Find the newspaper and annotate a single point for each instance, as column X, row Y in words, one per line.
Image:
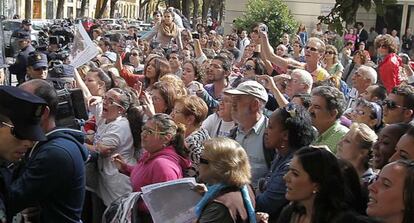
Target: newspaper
column 83, row 48
column 172, row 201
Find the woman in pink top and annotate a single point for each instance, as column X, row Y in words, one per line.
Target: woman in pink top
column 350, row 36
column 165, row 157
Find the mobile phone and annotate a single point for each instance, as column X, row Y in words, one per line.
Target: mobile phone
column 263, row 28
column 195, row 35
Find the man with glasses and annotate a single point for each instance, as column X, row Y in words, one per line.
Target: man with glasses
column 52, row 176
column 37, row 66
column 314, row 51
column 399, row 105
column 20, row 115
column 19, row 67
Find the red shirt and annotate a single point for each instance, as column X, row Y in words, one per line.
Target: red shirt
column 389, row 71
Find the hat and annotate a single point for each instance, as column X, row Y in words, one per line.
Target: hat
column 27, row 22
column 62, row 71
column 23, row 35
column 24, row 110
column 252, row 88
column 37, row 60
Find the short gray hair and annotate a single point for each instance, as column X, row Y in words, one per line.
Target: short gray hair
column 305, row 77
column 368, row 73
column 335, row 99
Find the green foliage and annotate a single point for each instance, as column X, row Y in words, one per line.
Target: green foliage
column 344, row 11
column 274, row 13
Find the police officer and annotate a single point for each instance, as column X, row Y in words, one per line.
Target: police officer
column 37, row 66
column 19, row 67
column 53, row 175
column 26, row 26
column 20, row 114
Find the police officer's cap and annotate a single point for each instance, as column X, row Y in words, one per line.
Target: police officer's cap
column 21, row 35
column 27, row 22
column 37, row 60
column 24, row 111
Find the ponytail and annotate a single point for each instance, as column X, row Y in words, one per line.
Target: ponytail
column 178, row 141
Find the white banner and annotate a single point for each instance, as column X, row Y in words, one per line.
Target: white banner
column 83, row 48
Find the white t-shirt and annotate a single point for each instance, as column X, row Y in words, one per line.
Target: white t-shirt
column 216, row 127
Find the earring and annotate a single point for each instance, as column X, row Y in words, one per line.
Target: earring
column 314, row 192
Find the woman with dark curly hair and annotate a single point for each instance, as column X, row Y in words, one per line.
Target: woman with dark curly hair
column 289, row 129
column 315, row 187
column 389, row 62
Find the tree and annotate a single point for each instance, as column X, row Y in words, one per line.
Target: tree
column 28, row 9
column 112, row 9
column 344, row 11
column 101, row 10
column 59, row 9
column 274, row 13
column 83, row 8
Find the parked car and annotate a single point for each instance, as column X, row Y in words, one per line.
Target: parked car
column 112, row 23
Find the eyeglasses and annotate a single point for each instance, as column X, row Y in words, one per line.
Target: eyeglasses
column 40, row 69
column 149, row 131
column 358, row 112
column 111, row 101
column 204, row 161
column 313, row 49
column 382, row 46
column 330, row 52
column 134, row 54
column 12, row 131
column 391, row 104
column 248, row 67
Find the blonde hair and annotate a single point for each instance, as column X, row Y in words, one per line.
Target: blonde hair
column 333, row 48
column 228, row 161
column 179, row 85
column 366, row 135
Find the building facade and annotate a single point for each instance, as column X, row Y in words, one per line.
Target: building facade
column 46, row 9
column 398, row 17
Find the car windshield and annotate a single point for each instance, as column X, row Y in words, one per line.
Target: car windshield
column 38, row 26
column 10, row 26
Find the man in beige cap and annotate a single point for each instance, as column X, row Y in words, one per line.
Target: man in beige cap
column 248, row 102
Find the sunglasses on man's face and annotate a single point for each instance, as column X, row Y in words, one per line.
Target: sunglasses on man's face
column 12, row 130
column 313, row 49
column 391, row 104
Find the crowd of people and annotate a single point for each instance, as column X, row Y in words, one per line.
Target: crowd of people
column 301, row 132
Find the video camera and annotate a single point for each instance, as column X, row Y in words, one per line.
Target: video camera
column 71, row 107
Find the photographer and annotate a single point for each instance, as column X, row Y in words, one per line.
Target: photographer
column 53, row 174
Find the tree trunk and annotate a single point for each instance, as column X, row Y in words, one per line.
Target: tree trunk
column 28, row 9
column 83, row 8
column 59, row 9
column 112, row 10
column 101, row 10
column 186, row 8
column 215, row 8
column 196, row 5
column 206, row 6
